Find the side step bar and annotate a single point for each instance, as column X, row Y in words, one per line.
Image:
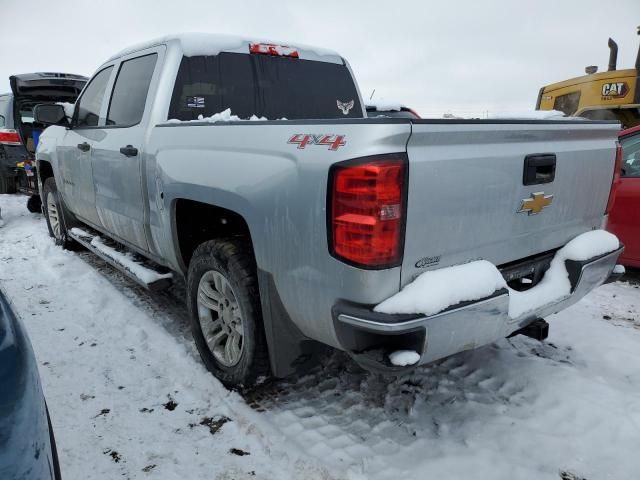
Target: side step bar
column 133, row 266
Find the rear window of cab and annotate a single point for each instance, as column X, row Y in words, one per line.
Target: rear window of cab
column 267, row 86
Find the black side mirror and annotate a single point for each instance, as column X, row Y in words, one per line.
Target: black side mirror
column 49, row 114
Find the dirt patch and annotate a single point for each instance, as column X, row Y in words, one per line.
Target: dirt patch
column 240, row 453
column 170, row 405
column 214, row 424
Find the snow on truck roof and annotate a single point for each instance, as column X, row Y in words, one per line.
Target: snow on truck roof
column 194, row 44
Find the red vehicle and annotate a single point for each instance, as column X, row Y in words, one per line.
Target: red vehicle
column 624, row 215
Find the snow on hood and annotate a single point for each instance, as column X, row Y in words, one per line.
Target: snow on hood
column 436, row 290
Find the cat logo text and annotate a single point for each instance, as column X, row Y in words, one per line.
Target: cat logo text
column 618, row 89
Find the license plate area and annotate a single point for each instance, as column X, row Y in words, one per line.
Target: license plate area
column 524, row 274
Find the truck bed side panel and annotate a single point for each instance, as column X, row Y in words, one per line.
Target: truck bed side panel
column 281, row 192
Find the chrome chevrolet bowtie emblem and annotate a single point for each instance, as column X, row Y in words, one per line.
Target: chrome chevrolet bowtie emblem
column 536, row 203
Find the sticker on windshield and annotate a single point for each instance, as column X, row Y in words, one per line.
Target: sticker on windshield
column 195, row 102
column 344, row 107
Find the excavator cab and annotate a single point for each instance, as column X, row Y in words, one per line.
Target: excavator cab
column 610, row 95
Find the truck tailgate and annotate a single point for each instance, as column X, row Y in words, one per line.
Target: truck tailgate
column 466, row 187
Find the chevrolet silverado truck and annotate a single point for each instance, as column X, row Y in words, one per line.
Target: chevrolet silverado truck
column 250, row 170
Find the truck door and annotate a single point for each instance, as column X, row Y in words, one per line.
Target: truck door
column 118, row 153
column 74, row 151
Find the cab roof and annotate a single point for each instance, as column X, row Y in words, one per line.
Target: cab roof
column 195, row 44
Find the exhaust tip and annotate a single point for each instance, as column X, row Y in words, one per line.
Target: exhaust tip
column 613, row 54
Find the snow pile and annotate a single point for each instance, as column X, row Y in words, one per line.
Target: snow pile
column 402, row 358
column 68, row 109
column 530, row 115
column 224, row 116
column 436, row 290
column 555, row 284
column 126, row 259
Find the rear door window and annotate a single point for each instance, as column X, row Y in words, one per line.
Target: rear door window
column 266, row 86
column 88, row 107
column 130, row 91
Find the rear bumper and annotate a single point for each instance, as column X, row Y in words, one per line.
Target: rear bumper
column 369, row 336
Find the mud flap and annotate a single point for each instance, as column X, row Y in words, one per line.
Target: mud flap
column 290, row 351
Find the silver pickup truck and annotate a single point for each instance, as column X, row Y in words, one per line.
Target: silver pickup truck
column 249, row 169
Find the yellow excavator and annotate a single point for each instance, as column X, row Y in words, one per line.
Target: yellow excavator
column 610, row 95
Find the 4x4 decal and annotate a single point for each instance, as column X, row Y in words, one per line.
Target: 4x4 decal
column 333, row 141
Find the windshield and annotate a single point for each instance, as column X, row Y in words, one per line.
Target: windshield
column 265, row 86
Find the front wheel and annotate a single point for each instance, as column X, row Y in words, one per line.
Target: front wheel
column 56, row 215
column 225, row 313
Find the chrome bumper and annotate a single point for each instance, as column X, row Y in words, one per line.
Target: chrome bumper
column 365, row 334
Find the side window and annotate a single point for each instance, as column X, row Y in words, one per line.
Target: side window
column 88, row 106
column 631, row 157
column 567, row 104
column 2, row 124
column 130, row 91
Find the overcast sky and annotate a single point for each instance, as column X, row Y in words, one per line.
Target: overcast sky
column 447, row 56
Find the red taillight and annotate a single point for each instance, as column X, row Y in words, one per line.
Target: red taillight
column 9, row 137
column 271, row 49
column 616, row 178
column 367, row 208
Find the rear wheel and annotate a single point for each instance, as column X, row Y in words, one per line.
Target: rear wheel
column 58, row 219
column 225, row 313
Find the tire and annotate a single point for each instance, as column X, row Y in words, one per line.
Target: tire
column 57, row 216
column 34, row 204
column 7, row 184
column 227, row 265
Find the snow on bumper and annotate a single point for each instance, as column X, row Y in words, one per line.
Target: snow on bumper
column 475, row 312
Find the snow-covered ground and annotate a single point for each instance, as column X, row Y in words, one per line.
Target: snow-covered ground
column 129, row 397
